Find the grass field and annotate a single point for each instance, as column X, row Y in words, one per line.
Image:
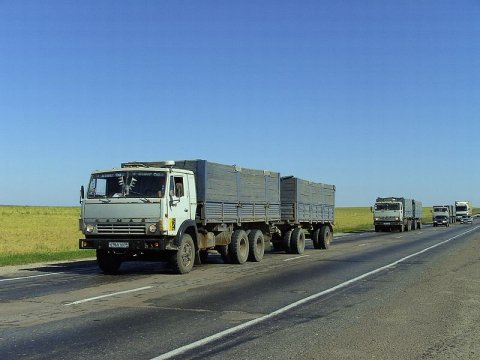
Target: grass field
column 31, row 234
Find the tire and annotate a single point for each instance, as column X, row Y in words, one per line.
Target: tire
column 286, row 241
column 297, row 241
column 419, row 225
column 316, row 238
column 326, row 237
column 414, row 225
column 183, row 259
column 256, row 243
column 109, row 263
column 238, row 247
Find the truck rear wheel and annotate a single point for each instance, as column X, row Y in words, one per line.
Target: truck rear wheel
column 297, row 241
column 183, row 259
column 108, row 262
column 256, row 245
column 326, row 237
column 238, row 248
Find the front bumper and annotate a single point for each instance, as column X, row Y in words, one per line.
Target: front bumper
column 128, row 244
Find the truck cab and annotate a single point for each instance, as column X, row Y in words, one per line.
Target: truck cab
column 136, row 211
column 441, row 216
column 388, row 214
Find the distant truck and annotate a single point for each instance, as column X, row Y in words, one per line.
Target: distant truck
column 441, row 215
column 177, row 211
column 397, row 213
column 462, row 208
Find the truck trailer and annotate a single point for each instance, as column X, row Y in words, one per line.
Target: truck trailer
column 177, row 211
column 397, row 213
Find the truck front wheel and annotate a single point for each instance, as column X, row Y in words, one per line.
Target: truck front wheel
column 183, row 259
column 108, row 262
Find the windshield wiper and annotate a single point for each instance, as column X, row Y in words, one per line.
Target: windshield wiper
column 145, row 200
column 105, row 201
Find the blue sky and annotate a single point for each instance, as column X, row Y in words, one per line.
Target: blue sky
column 379, row 97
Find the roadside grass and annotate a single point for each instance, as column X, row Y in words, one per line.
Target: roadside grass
column 30, row 234
column 350, row 219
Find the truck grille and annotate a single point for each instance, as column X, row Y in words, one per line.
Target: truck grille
column 121, row 228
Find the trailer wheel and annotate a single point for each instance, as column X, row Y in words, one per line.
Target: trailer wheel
column 316, row 238
column 286, row 241
column 256, row 246
column 183, row 259
column 414, row 225
column 238, row 248
column 297, row 241
column 326, row 237
column 107, row 262
column 419, row 224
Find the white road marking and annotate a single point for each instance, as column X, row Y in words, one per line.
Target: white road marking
column 295, row 258
column 250, row 323
column 29, row 277
column 108, row 295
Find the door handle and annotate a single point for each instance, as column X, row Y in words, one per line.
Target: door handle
column 186, row 210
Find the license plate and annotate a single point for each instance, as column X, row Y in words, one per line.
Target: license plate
column 387, row 223
column 118, row 245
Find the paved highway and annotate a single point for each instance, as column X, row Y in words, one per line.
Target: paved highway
column 371, row 295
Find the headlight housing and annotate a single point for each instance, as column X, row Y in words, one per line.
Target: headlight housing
column 152, row 228
column 90, row 228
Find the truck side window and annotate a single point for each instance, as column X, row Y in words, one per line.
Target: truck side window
column 176, row 186
column 179, row 186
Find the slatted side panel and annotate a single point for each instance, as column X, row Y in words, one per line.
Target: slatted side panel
column 305, row 201
column 233, row 194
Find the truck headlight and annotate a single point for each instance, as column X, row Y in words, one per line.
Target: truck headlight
column 152, row 228
column 90, row 228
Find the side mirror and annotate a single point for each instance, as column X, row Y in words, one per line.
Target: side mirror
column 371, row 208
column 82, row 193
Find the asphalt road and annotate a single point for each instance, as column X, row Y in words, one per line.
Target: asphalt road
column 411, row 295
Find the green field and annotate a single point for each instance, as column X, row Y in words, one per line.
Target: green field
column 34, row 234
column 31, row 234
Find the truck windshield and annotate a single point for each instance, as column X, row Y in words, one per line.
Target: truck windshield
column 387, row 206
column 440, row 209
column 461, row 208
column 132, row 184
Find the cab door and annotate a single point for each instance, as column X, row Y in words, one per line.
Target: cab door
column 179, row 202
